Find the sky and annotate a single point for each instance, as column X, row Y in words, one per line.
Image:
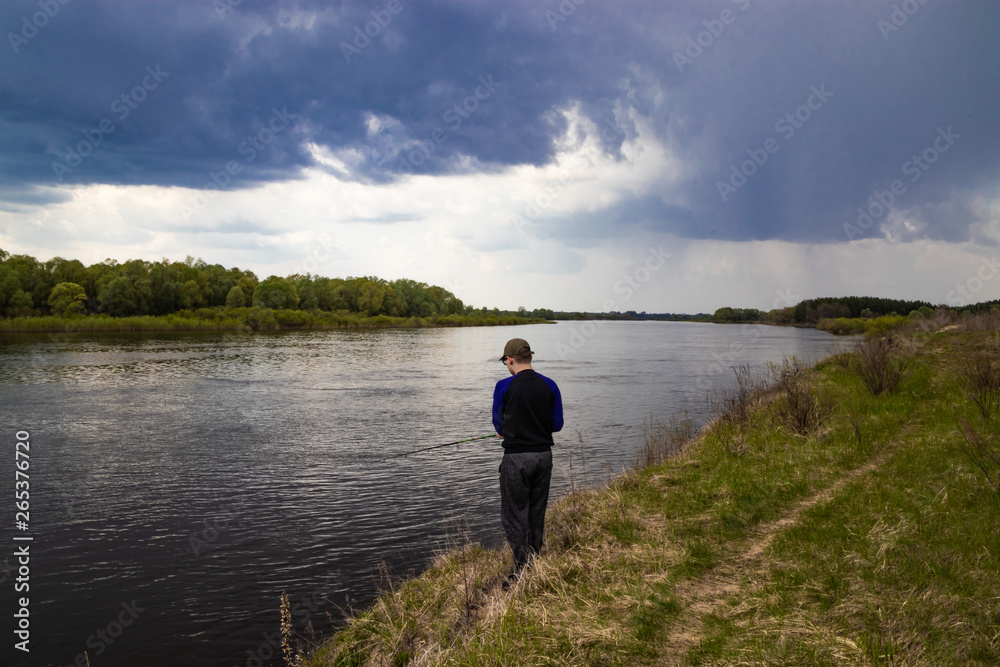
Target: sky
column 574, row 154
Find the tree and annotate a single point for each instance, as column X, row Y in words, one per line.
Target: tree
column 236, row 298
column 35, row 281
column 66, row 271
column 191, row 295
column 67, row 300
column 392, row 304
column 117, row 297
column 10, row 285
column 781, row 315
column 724, row 314
column 832, row 311
column 370, row 298
column 275, row 292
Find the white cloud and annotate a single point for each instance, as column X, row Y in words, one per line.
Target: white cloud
column 457, row 230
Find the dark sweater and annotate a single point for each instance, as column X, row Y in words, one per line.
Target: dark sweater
column 527, row 409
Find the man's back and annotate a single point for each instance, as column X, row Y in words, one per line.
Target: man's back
column 527, row 408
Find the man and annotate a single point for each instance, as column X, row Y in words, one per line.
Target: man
column 527, row 409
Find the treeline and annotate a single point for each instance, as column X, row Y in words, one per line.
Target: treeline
column 549, row 314
column 66, row 288
column 811, row 311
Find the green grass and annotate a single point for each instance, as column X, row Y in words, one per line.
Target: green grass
column 872, row 540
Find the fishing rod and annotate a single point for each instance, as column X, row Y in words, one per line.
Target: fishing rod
column 447, row 444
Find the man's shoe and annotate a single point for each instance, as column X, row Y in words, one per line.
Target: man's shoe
column 508, row 582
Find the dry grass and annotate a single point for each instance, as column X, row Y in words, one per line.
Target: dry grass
column 982, row 322
column 735, row 406
column 661, row 442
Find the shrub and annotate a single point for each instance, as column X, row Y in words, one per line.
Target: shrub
column 980, row 378
column 989, row 321
column 879, row 364
column 799, row 408
column 842, row 326
column 983, row 450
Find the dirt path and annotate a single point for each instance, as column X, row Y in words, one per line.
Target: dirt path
column 705, row 594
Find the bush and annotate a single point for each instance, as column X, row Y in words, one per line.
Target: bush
column 982, row 449
column 842, row 326
column 799, row 408
column 879, row 363
column 980, row 378
column 980, row 322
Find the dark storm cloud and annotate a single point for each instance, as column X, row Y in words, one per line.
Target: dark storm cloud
column 838, row 97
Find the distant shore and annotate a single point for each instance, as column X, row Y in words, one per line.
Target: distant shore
column 249, row 319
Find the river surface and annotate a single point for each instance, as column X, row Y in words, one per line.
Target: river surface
column 180, row 482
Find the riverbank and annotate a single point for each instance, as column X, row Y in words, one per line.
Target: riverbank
column 813, row 522
column 249, row 319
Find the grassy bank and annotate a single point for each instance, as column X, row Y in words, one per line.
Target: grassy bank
column 247, row 319
column 814, row 522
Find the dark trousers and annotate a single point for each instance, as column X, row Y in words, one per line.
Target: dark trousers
column 524, row 494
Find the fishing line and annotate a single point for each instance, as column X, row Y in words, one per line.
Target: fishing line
column 447, row 444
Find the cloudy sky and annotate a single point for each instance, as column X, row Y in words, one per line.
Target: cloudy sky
column 582, row 154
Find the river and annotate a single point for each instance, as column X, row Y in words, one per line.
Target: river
column 180, row 482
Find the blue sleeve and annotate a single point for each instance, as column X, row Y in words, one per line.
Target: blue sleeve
column 557, row 409
column 498, row 406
